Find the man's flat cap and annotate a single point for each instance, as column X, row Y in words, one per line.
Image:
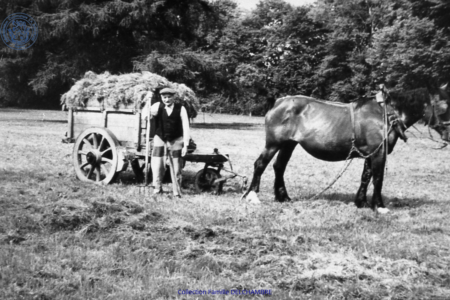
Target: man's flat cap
column 167, row 91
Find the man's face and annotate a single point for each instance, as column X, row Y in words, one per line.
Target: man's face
column 167, row 99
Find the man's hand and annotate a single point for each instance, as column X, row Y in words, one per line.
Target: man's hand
column 184, row 151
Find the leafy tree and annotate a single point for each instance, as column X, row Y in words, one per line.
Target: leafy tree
column 274, row 52
column 345, row 73
column 205, row 66
column 80, row 35
column 412, row 52
column 335, row 49
column 299, row 50
column 402, row 43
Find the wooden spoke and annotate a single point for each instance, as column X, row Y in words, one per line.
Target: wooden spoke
column 101, row 143
column 106, row 160
column 82, row 152
column 94, row 137
column 103, row 152
column 86, row 141
column 105, row 170
column 84, row 165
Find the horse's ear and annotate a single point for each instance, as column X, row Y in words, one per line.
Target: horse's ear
column 381, row 97
column 444, row 86
column 383, row 88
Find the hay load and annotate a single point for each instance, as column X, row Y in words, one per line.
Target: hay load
column 124, row 91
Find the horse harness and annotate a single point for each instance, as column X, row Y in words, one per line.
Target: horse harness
column 395, row 124
column 354, row 148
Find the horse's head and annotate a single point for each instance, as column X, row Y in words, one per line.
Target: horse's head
column 419, row 104
column 437, row 113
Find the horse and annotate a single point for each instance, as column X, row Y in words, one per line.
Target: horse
column 333, row 131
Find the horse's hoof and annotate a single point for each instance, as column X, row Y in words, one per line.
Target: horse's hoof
column 252, row 198
column 362, row 204
column 283, row 199
column 281, row 195
column 383, row 210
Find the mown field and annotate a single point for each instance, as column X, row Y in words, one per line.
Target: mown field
column 64, row 239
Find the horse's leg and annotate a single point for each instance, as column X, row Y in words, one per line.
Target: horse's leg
column 260, row 165
column 280, row 167
column 378, row 163
column 361, row 198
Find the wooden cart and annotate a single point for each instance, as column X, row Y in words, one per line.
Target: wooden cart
column 108, row 140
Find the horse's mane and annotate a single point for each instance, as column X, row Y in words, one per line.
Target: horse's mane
column 411, row 100
column 270, row 101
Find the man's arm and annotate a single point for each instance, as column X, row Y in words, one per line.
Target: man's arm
column 186, row 130
column 154, row 110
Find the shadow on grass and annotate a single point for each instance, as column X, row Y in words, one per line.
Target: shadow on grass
column 390, row 202
column 235, row 126
column 395, row 202
column 128, row 178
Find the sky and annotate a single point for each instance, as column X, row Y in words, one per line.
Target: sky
column 250, row 4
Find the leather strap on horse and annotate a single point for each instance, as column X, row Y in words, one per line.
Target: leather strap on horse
column 348, row 160
column 352, row 116
column 398, row 125
column 355, row 134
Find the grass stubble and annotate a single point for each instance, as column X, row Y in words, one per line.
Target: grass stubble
column 64, row 239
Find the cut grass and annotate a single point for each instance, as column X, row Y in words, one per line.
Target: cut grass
column 64, row 239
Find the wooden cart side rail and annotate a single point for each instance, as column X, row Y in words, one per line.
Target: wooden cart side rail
column 127, row 110
column 128, row 130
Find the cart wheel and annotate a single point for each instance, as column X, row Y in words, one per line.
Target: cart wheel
column 204, row 181
column 95, row 156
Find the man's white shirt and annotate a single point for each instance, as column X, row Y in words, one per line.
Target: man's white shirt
column 155, row 107
column 169, row 109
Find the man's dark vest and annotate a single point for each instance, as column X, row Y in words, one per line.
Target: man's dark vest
column 170, row 127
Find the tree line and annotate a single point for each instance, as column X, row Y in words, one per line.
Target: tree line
column 234, row 60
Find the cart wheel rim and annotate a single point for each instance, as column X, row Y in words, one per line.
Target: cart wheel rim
column 95, row 156
column 204, row 180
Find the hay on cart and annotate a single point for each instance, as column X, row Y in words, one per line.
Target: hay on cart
column 124, row 91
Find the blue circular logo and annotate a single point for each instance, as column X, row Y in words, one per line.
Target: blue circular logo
column 19, row 31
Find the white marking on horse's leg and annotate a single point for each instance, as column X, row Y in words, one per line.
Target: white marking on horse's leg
column 252, row 197
column 383, row 210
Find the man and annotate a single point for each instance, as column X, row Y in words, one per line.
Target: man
column 172, row 131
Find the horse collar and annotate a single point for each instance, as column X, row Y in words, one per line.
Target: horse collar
column 398, row 125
